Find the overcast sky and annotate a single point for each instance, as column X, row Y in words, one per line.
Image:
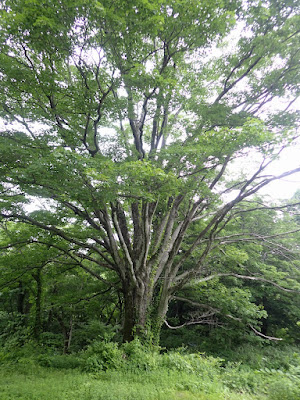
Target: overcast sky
column 285, row 188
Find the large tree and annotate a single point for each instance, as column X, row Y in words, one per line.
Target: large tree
column 124, row 117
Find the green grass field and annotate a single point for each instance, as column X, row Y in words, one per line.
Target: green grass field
column 107, row 371
column 37, row 383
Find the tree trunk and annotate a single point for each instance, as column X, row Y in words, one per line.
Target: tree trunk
column 129, row 317
column 66, row 331
column 21, row 299
column 144, row 312
column 37, row 329
column 160, row 313
column 137, row 310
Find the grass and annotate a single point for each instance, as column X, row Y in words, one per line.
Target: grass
column 107, row 371
column 38, row 383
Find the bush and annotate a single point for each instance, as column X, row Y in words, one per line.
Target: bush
column 176, row 361
column 20, row 354
column 269, row 356
column 92, row 331
column 139, row 357
column 282, row 385
column 60, row 361
column 51, row 341
column 101, row 356
column 195, row 363
column 284, row 389
column 238, row 377
column 13, row 330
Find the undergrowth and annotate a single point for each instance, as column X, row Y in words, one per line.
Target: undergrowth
column 106, row 370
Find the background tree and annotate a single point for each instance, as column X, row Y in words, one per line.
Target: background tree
column 123, row 120
column 47, row 297
column 249, row 294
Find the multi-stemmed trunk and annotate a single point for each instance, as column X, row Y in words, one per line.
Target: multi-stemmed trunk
column 148, row 262
column 145, row 308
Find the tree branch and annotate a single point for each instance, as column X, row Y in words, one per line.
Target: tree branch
column 252, row 278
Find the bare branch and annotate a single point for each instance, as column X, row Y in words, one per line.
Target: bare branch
column 198, row 322
column 264, row 336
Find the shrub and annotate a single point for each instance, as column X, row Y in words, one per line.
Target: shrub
column 284, row 389
column 139, row 357
column 176, row 361
column 94, row 330
column 13, row 330
column 268, row 356
column 238, row 377
column 101, row 356
column 20, row 354
column 60, row 361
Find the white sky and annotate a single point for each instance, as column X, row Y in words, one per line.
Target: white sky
column 285, row 188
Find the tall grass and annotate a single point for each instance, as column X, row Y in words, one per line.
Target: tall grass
column 106, row 371
column 39, row 383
